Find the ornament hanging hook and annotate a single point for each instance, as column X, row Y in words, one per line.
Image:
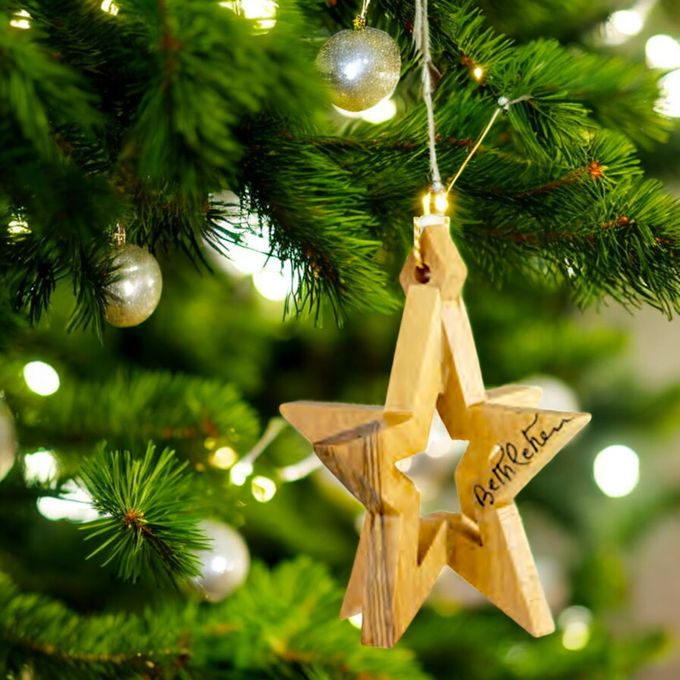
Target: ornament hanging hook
column 360, row 19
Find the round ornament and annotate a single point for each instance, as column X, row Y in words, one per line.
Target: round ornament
column 362, row 67
column 225, row 565
column 134, row 295
column 8, row 439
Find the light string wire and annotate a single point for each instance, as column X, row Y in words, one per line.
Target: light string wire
column 504, row 104
column 421, row 38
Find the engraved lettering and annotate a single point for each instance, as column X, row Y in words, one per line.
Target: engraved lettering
column 506, row 466
column 482, row 495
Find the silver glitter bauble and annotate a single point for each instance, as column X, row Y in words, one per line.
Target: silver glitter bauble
column 361, row 66
column 8, row 439
column 135, row 294
column 225, row 565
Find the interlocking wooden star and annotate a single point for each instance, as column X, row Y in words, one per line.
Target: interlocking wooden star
column 400, row 554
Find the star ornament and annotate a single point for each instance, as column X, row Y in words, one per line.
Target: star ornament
column 401, row 553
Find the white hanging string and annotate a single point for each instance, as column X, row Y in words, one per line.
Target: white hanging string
column 364, row 8
column 421, row 38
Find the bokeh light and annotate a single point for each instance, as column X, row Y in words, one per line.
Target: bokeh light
column 616, row 470
column 41, row 378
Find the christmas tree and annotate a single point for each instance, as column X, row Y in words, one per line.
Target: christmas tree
column 158, row 518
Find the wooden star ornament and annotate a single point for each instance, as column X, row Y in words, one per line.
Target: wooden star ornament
column 401, row 553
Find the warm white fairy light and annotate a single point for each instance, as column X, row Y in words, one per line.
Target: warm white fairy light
column 383, row 111
column 263, row 488
column 18, row 226
column 662, row 51
column 240, row 472
column 404, row 465
column 669, row 104
column 21, row 19
column 273, row 279
column 575, row 623
column 275, row 282
column 74, row 504
column 626, row 23
column 41, row 378
column 478, row 73
column 616, row 470
column 223, row 458
column 356, row 620
column 261, row 12
column 109, row 7
column 251, row 255
column 40, row 467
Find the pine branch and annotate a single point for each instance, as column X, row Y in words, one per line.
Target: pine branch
column 190, row 101
column 248, row 636
column 290, row 617
column 40, row 634
column 186, row 409
column 147, row 523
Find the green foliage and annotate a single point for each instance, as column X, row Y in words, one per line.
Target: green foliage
column 186, row 409
column 148, row 522
column 444, row 644
column 281, row 624
column 290, row 617
column 42, row 636
column 187, row 99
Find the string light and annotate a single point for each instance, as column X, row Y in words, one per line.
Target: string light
column 74, row 504
column 109, row 7
column 223, row 458
column 626, row 23
column 18, row 226
column 275, row 281
column 244, row 468
column 40, row 467
column 263, row 488
column 356, row 620
column 575, row 623
column 383, row 111
column 617, row 470
column 662, row 51
column 669, row 103
column 41, row 378
column 240, row 472
column 478, row 73
column 21, row 19
column 261, row 12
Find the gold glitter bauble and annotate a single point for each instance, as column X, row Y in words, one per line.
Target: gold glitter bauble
column 134, row 295
column 361, row 66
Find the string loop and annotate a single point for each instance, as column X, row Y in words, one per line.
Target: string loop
column 436, row 200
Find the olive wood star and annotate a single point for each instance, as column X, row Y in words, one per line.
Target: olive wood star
column 435, row 366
